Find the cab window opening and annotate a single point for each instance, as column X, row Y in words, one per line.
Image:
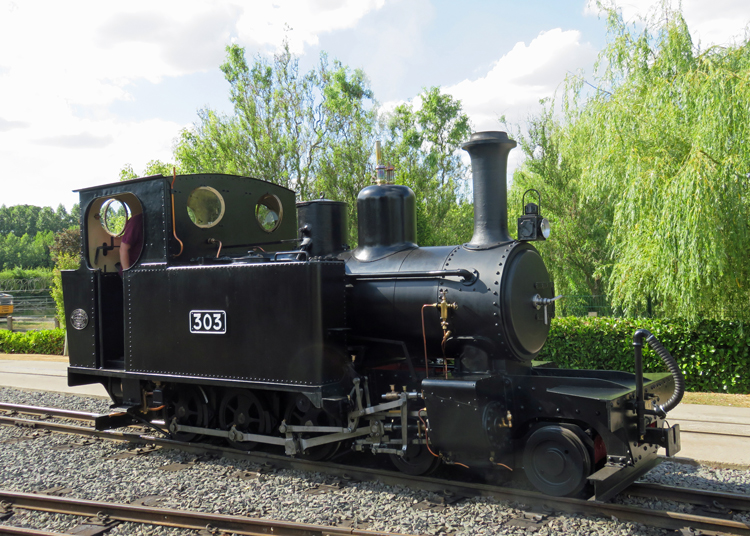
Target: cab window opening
column 114, row 232
column 269, row 213
column 205, row 207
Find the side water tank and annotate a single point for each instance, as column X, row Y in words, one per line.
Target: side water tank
column 387, row 223
column 327, row 223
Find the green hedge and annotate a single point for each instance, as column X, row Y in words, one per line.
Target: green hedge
column 713, row 355
column 46, row 341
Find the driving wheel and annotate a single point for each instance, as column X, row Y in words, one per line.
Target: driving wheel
column 556, row 461
column 302, row 412
column 417, row 460
column 247, row 413
column 187, row 406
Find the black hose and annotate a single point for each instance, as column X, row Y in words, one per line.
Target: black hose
column 679, row 379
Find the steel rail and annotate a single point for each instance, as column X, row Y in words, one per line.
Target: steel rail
column 21, row 531
column 175, row 518
column 646, row 516
column 52, row 412
column 734, row 501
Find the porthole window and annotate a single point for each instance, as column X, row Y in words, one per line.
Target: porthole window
column 205, row 206
column 269, row 212
column 114, row 214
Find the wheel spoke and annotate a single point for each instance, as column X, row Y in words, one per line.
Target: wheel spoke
column 244, row 411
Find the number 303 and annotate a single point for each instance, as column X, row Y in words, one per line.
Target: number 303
column 207, row 321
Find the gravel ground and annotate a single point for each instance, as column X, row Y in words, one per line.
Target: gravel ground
column 223, row 486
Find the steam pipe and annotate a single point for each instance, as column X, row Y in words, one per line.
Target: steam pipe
column 489, row 162
column 679, row 379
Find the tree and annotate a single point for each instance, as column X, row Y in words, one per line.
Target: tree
column 19, row 219
column 25, row 251
column 576, row 254
column 314, row 132
column 662, row 144
column 423, row 145
column 66, row 242
column 288, row 127
column 153, row 167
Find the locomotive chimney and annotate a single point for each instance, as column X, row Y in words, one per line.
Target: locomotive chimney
column 489, row 162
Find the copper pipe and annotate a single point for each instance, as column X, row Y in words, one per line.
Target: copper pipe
column 215, row 241
column 426, row 436
column 174, row 231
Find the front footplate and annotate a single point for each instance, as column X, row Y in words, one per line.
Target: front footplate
column 612, row 479
column 620, row 472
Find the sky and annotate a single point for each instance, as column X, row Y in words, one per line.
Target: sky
column 87, row 87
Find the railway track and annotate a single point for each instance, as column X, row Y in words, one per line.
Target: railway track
column 106, row 514
column 714, row 507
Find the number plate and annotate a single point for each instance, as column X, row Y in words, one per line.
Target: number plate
column 214, row 322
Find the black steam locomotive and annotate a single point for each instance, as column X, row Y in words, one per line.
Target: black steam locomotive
column 246, row 319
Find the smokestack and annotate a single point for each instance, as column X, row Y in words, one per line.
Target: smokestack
column 489, row 166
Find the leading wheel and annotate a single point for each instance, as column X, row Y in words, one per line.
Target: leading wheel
column 556, row 461
column 187, row 406
column 417, row 460
column 302, row 412
column 247, row 413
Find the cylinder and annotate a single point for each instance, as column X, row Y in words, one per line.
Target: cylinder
column 489, row 166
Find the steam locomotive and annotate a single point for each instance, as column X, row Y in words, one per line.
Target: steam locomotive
column 245, row 319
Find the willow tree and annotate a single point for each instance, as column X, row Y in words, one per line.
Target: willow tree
column 576, row 253
column 664, row 143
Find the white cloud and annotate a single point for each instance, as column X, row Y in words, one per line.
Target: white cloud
column 300, row 21
column 62, row 60
column 522, row 77
column 719, row 22
column 43, row 170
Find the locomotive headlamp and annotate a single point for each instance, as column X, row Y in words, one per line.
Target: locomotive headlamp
column 532, row 226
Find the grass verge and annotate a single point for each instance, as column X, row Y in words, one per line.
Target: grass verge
column 717, row 399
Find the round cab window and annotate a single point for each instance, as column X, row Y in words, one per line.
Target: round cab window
column 205, row 206
column 114, row 215
column 268, row 212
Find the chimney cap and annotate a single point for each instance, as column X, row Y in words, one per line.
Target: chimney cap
column 489, row 136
